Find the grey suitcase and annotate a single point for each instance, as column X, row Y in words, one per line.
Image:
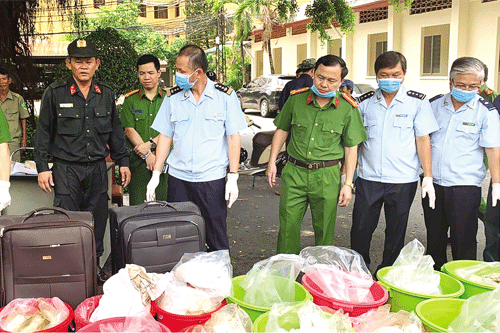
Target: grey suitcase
column 155, row 235
column 49, row 252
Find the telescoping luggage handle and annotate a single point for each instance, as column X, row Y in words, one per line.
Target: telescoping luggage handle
column 39, row 211
column 150, row 204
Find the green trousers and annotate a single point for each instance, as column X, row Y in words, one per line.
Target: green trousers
column 299, row 187
column 140, row 179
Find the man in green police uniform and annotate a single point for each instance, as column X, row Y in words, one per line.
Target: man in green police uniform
column 5, row 137
column 325, row 126
column 485, row 92
column 139, row 111
column 15, row 111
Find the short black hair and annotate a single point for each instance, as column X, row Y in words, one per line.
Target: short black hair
column 485, row 73
column 390, row 59
column 3, row 71
column 196, row 55
column 146, row 59
column 332, row 60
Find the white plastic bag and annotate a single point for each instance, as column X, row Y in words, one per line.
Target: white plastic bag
column 480, row 313
column 485, row 272
column 381, row 320
column 414, row 271
column 230, row 319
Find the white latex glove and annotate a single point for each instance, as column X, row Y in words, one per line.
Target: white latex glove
column 231, row 188
column 428, row 188
column 152, row 185
column 342, row 179
column 495, row 193
column 4, row 194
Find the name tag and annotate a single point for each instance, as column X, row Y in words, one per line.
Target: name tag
column 218, row 115
column 66, row 105
column 136, row 111
column 468, row 124
column 401, row 115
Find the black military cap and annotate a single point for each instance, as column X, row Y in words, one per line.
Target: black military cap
column 82, row 48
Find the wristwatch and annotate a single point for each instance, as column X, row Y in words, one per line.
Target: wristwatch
column 351, row 185
column 153, row 145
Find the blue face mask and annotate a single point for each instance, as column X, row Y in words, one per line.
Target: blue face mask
column 389, row 85
column 317, row 93
column 182, row 80
column 463, row 96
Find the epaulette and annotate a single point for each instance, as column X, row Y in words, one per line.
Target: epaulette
column 436, row 97
column 296, row 91
column 58, row 84
column 223, row 88
column 413, row 93
column 488, row 91
column 15, row 94
column 366, row 95
column 172, row 91
column 488, row 105
column 130, row 93
column 350, row 100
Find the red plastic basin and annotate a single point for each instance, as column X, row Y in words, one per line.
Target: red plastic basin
column 117, row 324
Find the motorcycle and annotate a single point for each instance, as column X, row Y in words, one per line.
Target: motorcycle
column 261, row 151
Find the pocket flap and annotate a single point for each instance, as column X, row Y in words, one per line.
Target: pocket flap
column 68, row 113
column 215, row 115
column 101, row 112
column 332, row 127
column 468, row 128
column 403, row 120
column 166, row 236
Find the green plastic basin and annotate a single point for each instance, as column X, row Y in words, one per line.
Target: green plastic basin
column 436, row 314
column 471, row 287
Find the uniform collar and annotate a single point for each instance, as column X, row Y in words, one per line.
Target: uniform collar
column 142, row 92
column 472, row 104
column 400, row 95
column 482, row 88
column 333, row 102
column 74, row 89
column 9, row 95
column 209, row 89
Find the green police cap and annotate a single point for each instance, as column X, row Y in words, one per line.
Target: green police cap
column 307, row 64
column 82, row 48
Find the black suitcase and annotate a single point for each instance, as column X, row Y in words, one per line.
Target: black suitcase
column 155, row 234
column 49, row 252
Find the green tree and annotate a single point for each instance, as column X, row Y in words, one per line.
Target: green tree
column 234, row 67
column 125, row 18
column 173, row 50
column 118, row 58
column 201, row 23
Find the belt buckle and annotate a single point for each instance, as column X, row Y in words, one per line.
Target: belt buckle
column 310, row 166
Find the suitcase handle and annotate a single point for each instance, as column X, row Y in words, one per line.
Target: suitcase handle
column 157, row 203
column 39, row 211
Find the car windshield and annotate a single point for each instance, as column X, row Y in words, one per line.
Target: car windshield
column 362, row 88
column 284, row 80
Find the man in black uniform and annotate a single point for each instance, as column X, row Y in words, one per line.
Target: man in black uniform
column 304, row 80
column 79, row 126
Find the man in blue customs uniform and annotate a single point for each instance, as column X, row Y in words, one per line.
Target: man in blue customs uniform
column 199, row 123
column 324, row 126
column 468, row 126
column 397, row 122
column 79, row 126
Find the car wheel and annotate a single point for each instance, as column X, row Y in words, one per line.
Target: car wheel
column 241, row 103
column 264, row 108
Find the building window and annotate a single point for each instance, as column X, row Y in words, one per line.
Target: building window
column 259, row 63
column 335, row 47
column 277, row 60
column 99, row 3
column 301, row 52
column 161, row 12
column 177, row 10
column 373, row 15
column 142, row 8
column 434, row 50
column 377, row 44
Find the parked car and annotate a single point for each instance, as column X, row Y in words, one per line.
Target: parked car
column 361, row 88
column 263, row 93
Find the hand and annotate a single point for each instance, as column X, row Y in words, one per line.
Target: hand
column 342, row 179
column 45, row 181
column 495, row 193
column 150, row 161
column 345, row 195
column 271, row 173
column 125, row 173
column 152, row 185
column 428, row 188
column 142, row 149
column 4, row 194
column 231, row 188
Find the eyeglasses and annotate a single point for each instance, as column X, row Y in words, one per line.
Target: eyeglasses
column 466, row 87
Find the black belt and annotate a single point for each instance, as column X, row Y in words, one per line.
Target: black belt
column 313, row 166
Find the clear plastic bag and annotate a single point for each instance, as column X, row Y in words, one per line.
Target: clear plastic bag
column 134, row 324
column 485, row 272
column 340, row 273
column 382, row 320
column 306, row 317
column 230, row 319
column 414, row 271
column 272, row 280
column 210, row 271
column 33, row 314
column 480, row 313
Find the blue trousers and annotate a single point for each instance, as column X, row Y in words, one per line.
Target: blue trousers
column 210, row 198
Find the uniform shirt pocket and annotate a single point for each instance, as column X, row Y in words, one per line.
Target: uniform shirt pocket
column 298, row 133
column 102, row 120
column 370, row 127
column 69, row 121
column 179, row 120
column 330, row 134
column 140, row 122
column 467, row 133
column 405, row 123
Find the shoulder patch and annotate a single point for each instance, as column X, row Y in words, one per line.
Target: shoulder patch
column 436, row 97
column 487, row 104
column 413, row 93
column 350, row 100
column 366, row 96
column 172, row 91
column 130, row 93
column 296, row 91
column 223, row 88
column 488, row 91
